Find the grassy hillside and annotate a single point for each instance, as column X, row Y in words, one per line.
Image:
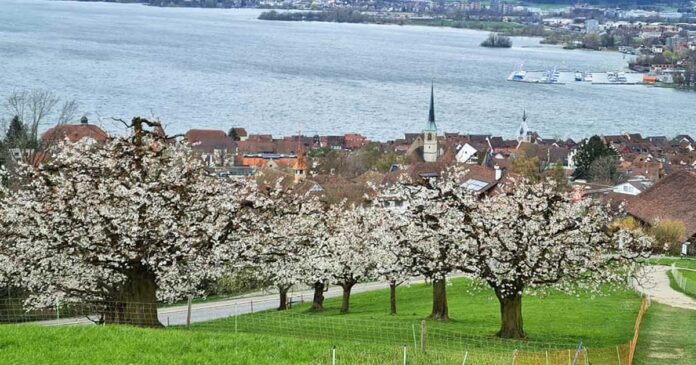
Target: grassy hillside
column 474, row 312
column 369, row 332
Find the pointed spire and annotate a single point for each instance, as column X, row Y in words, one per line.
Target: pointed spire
column 523, row 134
column 431, row 114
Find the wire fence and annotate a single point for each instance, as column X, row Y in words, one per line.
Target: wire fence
column 344, row 328
column 419, row 342
column 13, row 310
column 409, row 356
column 686, row 284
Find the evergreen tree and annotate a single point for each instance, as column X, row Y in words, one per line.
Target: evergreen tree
column 17, row 135
column 232, row 133
column 593, row 149
column 558, row 176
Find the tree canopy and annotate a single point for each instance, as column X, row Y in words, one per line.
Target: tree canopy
column 131, row 221
column 587, row 153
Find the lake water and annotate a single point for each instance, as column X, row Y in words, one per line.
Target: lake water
column 211, row 68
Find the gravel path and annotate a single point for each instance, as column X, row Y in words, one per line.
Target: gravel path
column 655, row 284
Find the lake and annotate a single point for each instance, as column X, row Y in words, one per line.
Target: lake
column 214, row 68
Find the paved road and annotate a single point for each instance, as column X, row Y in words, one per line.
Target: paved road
column 656, row 286
column 202, row 312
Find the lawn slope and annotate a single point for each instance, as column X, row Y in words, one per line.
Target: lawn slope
column 297, row 337
column 667, row 336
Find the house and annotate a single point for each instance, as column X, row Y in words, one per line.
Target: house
column 674, row 198
column 73, row 133
column 215, row 147
column 333, row 142
column 241, row 134
column 354, row 141
column 482, row 180
column 467, row 154
column 632, row 187
column 271, row 160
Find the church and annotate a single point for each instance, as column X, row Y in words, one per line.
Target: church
column 425, row 147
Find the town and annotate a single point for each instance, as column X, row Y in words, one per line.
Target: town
column 616, row 168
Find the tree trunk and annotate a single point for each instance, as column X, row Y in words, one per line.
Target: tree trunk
column 283, row 297
column 136, row 303
column 511, row 317
column 345, row 303
column 392, row 297
column 440, row 311
column 318, row 301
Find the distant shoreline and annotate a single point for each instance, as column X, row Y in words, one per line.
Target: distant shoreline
column 509, row 29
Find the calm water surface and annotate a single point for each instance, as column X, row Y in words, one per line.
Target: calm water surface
column 210, row 68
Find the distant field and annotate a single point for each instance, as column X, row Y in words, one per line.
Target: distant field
column 492, row 26
column 368, row 335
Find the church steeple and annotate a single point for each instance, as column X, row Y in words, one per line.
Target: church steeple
column 523, row 133
column 431, row 115
column 430, row 149
column 300, row 165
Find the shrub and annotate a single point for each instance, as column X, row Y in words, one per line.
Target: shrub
column 628, row 223
column 668, row 234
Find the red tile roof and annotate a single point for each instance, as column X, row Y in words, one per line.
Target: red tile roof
column 673, row 197
column 209, row 139
column 74, row 133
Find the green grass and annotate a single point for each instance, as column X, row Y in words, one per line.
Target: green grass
column 691, row 286
column 368, row 335
column 24, row 344
column 554, row 318
column 492, row 26
column 686, row 263
column 667, row 337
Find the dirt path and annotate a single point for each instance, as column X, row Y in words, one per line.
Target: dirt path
column 655, row 283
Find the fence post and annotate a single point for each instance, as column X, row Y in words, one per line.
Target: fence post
column 466, row 354
column 57, row 311
column 618, row 354
column 333, row 355
column 235, row 317
column 252, row 306
column 188, row 313
column 415, row 344
column 404, row 354
column 547, row 357
column 423, row 336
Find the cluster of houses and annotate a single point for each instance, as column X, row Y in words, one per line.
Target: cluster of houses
column 658, row 173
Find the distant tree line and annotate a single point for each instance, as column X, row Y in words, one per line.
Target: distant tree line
column 339, row 15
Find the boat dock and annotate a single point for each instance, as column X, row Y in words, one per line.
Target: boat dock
column 556, row 77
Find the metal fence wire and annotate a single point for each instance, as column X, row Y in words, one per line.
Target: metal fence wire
column 406, row 355
column 687, row 285
column 415, row 342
